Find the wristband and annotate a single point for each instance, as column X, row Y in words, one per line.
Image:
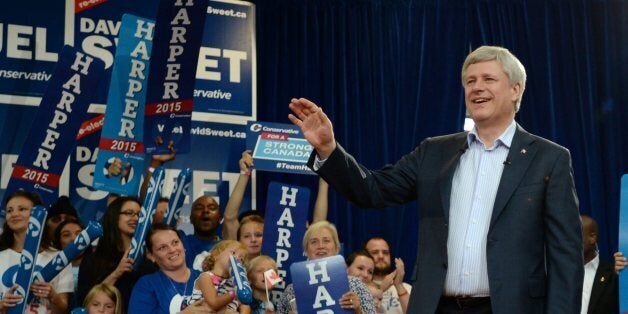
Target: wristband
column 245, row 172
column 405, row 292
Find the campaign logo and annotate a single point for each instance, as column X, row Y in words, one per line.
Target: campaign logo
column 133, row 247
column 256, row 127
column 8, row 277
column 143, row 216
column 60, row 261
column 26, row 260
column 34, row 227
column 82, row 240
column 19, row 290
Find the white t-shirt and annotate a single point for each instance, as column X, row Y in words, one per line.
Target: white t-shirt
column 10, row 262
column 390, row 299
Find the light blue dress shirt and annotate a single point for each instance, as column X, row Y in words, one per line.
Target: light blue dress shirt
column 473, row 192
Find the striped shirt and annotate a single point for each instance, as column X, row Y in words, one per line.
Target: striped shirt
column 473, row 192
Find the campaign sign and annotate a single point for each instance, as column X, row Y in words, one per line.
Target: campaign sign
column 178, row 31
column 52, row 135
column 284, row 227
column 25, row 272
column 30, row 39
column 278, row 147
column 153, row 193
column 180, row 191
column 319, row 284
column 93, row 231
column 226, row 73
column 122, row 136
column 623, row 243
column 95, row 26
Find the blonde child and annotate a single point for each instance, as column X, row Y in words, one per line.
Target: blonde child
column 215, row 284
column 255, row 272
column 103, row 298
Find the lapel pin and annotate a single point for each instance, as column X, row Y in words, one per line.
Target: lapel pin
column 524, row 151
column 602, row 279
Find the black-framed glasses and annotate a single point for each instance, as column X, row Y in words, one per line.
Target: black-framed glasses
column 130, row 213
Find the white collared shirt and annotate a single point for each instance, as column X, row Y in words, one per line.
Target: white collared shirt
column 590, row 269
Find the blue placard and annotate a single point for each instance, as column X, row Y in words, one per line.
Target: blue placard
column 28, row 259
column 623, row 243
column 96, row 25
column 146, row 215
column 284, row 227
column 52, row 135
column 178, row 31
column 278, row 147
column 319, row 284
column 180, row 191
column 64, row 258
column 225, row 76
column 122, row 136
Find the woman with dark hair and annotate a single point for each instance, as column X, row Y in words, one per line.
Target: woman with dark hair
column 110, row 262
column 64, row 234
column 50, row 297
column 170, row 289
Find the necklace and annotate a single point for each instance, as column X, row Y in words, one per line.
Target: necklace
column 187, row 281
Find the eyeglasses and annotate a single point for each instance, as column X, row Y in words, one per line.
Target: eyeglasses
column 130, row 213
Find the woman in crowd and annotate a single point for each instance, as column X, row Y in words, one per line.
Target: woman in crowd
column 361, row 264
column 65, row 234
column 321, row 240
column 110, row 262
column 50, row 297
column 103, row 299
column 168, row 290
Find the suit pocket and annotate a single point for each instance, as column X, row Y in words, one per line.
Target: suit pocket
column 536, row 286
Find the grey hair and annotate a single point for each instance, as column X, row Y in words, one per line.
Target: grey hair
column 510, row 64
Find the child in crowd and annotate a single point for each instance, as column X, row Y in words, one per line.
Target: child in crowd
column 255, row 272
column 103, row 298
column 215, row 284
column 378, row 295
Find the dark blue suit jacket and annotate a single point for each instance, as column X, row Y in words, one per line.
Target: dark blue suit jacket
column 534, row 242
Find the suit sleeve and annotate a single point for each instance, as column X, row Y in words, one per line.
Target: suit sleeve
column 389, row 186
column 563, row 231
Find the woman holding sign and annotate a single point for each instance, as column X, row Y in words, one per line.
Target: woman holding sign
column 51, row 297
column 110, row 262
column 321, row 240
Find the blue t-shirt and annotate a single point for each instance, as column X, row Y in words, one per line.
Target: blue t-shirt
column 157, row 293
column 194, row 247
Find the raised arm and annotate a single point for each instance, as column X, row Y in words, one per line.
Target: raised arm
column 231, row 224
column 315, row 125
column 156, row 161
column 321, row 207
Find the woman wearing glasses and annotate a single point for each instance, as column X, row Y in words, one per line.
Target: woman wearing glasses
column 110, row 263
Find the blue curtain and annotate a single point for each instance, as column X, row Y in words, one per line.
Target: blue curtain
column 388, row 75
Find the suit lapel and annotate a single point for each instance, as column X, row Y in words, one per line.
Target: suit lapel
column 599, row 283
column 451, row 157
column 520, row 156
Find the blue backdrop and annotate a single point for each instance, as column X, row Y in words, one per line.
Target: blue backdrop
column 387, row 72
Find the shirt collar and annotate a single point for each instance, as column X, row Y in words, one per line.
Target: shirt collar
column 594, row 263
column 504, row 139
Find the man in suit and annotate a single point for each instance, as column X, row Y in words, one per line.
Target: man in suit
column 499, row 228
column 600, row 294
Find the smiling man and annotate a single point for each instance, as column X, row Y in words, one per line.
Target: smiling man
column 499, row 228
